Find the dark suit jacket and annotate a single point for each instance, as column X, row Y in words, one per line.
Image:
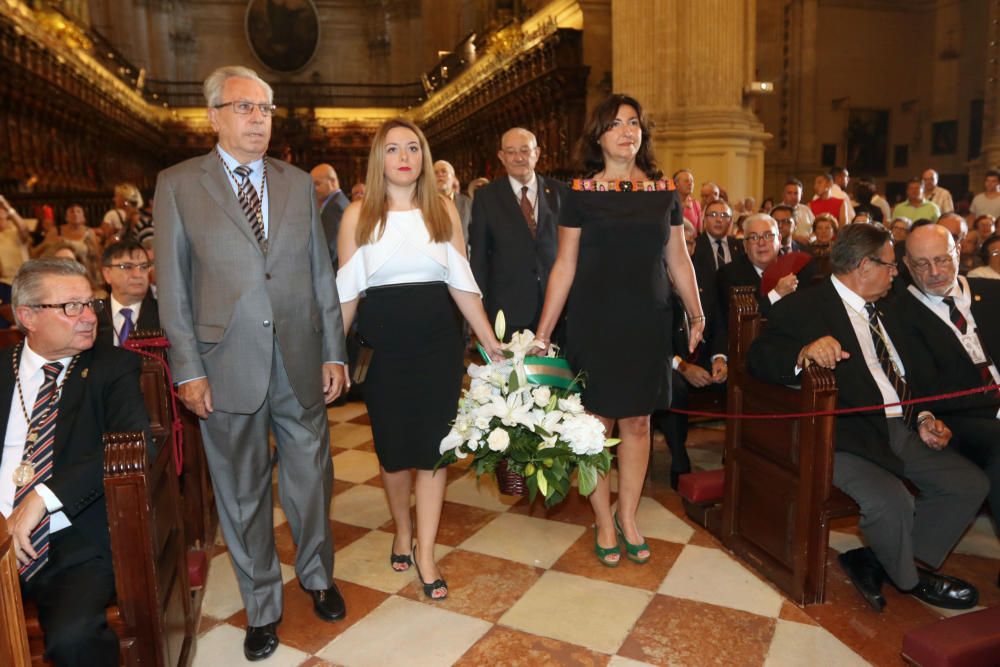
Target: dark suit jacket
column 949, row 366
column 704, row 253
column 512, row 268
column 101, row 395
column 809, row 314
column 330, row 215
column 149, row 320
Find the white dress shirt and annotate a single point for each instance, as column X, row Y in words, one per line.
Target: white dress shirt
column 856, row 313
column 118, row 319
column 256, row 178
column 31, row 376
column 942, row 198
column 516, row 185
column 773, row 295
column 714, row 242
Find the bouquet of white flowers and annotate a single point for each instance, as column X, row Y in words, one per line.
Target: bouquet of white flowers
column 524, row 414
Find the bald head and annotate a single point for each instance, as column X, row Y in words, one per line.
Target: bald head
column 956, row 225
column 930, row 178
column 519, row 154
column 325, row 181
column 932, row 259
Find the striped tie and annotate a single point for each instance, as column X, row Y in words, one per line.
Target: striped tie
column 895, row 379
column 250, row 202
column 43, row 424
column 956, row 316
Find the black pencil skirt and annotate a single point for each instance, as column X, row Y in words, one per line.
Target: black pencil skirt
column 415, row 377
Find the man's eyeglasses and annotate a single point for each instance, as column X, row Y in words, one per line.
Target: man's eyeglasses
column 941, row 263
column 719, row 214
column 889, row 265
column 73, row 308
column 129, row 266
column 753, row 238
column 245, row 108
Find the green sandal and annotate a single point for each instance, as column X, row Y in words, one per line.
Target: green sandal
column 631, row 550
column 602, row 553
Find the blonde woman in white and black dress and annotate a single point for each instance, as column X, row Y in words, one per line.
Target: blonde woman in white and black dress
column 403, row 271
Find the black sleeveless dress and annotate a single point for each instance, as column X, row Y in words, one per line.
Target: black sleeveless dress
column 619, row 321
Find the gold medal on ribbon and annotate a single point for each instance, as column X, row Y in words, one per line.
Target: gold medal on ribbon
column 23, row 473
column 32, row 437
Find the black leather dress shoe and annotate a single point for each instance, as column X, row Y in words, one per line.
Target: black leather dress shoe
column 866, row 574
column 328, row 603
column 261, row 641
column 943, row 591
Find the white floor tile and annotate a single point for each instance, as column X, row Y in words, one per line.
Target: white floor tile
column 355, row 466
column 349, row 436
column 223, row 645
column 366, row 562
column 361, row 505
column 484, row 493
column 403, row 632
column 524, row 539
column 799, row 645
column 222, row 593
column 712, row 576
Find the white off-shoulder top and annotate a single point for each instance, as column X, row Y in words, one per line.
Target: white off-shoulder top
column 404, row 254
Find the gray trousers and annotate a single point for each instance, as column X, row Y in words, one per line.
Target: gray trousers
column 900, row 527
column 239, row 458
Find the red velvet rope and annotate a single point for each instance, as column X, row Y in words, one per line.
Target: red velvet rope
column 176, row 426
column 837, row 411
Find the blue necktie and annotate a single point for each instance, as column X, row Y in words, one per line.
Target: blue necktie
column 126, row 329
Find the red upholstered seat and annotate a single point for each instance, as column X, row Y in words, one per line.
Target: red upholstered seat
column 971, row 640
column 197, row 564
column 701, row 487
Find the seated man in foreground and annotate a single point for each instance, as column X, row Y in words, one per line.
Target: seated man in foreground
column 842, row 324
column 58, row 396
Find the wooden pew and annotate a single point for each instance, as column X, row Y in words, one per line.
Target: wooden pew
column 13, row 636
column 779, row 498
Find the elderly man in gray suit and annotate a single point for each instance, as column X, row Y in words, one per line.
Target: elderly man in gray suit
column 249, row 302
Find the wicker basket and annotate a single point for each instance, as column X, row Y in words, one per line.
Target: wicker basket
column 510, row 483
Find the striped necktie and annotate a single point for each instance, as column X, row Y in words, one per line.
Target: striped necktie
column 882, row 352
column 43, row 425
column 250, row 203
column 957, row 318
column 528, row 211
column 720, row 254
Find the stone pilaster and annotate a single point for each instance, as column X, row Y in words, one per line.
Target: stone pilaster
column 990, row 156
column 691, row 73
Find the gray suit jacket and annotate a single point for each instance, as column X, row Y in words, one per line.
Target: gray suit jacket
column 331, row 215
column 464, row 205
column 222, row 300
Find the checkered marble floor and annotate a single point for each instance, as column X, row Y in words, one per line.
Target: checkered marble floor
column 526, row 589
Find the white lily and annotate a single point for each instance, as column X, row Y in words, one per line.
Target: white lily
column 513, row 410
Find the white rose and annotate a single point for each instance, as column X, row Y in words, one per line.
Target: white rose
column 571, row 404
column 498, row 440
column 542, row 395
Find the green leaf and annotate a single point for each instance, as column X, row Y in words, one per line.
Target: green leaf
column 512, row 385
column 500, row 326
column 543, row 483
column 586, row 478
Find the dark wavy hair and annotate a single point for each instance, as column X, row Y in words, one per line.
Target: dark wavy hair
column 588, row 149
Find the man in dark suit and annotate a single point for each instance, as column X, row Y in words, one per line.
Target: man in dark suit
column 715, row 248
column 57, row 514
column 513, row 233
column 954, row 322
column 838, row 325
column 332, row 201
column 130, row 306
column 761, row 240
column 785, row 217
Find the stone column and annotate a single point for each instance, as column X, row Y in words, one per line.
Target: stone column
column 990, row 155
column 690, row 74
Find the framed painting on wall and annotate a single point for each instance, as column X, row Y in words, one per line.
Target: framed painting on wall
column 944, row 137
column 867, row 141
column 282, row 34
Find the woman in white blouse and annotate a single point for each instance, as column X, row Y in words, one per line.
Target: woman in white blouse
column 403, row 271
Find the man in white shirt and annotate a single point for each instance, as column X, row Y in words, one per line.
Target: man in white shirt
column 844, row 325
column 64, row 394
column 792, row 196
column 126, row 268
column 935, row 193
column 987, row 202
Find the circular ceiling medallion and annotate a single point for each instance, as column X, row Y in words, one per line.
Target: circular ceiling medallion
column 282, row 34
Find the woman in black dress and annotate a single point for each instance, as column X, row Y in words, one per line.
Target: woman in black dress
column 620, row 234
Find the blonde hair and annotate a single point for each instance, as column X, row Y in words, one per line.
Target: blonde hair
column 375, row 205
